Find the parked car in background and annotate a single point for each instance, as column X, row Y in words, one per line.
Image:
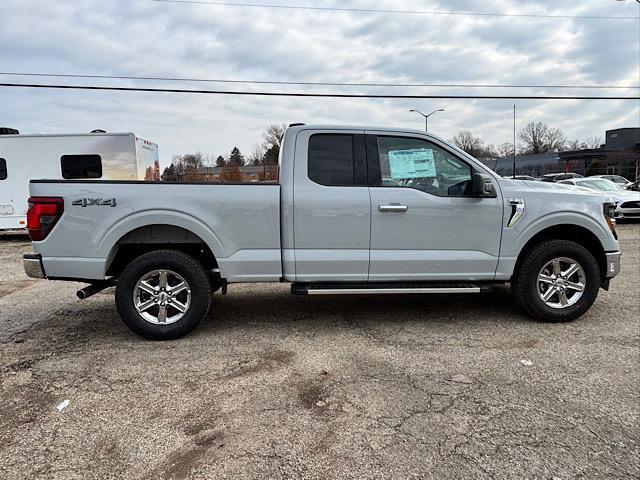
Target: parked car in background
column 355, row 211
column 627, row 202
column 619, row 179
column 556, row 177
column 634, row 187
column 520, row 177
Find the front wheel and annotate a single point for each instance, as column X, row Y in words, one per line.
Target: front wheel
column 163, row 295
column 558, row 281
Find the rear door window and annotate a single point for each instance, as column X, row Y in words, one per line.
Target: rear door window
column 81, row 166
column 331, row 159
column 3, row 169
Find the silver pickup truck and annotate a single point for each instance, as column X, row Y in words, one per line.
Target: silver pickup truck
column 355, row 211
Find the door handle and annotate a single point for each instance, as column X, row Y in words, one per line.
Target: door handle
column 393, row 208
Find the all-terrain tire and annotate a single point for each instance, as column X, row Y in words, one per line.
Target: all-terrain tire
column 524, row 284
column 180, row 263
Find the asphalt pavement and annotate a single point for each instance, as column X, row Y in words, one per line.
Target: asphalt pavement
column 277, row 386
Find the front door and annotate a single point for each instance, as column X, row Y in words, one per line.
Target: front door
column 331, row 214
column 425, row 225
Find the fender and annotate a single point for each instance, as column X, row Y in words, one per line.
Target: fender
column 107, row 246
column 563, row 218
column 514, row 239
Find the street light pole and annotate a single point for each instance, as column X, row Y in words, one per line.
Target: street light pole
column 426, row 116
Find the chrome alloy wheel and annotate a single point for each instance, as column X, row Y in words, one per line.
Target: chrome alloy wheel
column 561, row 282
column 162, row 297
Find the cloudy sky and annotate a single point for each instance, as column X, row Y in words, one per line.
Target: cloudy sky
column 149, row 38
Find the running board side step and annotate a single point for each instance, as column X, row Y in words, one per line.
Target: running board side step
column 384, row 288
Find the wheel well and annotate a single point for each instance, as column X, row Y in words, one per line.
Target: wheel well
column 157, row 237
column 573, row 233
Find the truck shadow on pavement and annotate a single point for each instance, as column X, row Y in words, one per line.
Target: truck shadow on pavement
column 277, row 307
column 256, row 308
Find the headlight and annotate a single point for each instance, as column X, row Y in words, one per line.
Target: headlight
column 609, row 211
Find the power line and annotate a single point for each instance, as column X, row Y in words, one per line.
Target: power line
column 416, row 12
column 320, row 95
column 326, row 84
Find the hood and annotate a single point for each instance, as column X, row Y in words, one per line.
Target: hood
column 514, row 188
column 626, row 196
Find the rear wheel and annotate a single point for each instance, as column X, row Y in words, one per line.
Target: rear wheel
column 163, row 295
column 558, row 281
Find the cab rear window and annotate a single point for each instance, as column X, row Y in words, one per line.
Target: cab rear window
column 3, row 169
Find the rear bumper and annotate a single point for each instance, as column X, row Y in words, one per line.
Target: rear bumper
column 32, row 264
column 613, row 264
column 13, row 222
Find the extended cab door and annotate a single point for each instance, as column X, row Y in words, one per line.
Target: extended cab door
column 331, row 206
column 425, row 225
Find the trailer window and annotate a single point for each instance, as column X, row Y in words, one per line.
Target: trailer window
column 81, row 166
column 3, row 169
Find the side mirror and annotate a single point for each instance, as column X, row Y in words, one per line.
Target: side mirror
column 482, row 186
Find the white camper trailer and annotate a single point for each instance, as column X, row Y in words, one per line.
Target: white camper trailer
column 106, row 156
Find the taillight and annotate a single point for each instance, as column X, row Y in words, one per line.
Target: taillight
column 43, row 214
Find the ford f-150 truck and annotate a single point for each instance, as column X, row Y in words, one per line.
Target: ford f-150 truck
column 355, row 211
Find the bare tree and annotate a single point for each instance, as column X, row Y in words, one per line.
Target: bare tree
column 267, row 153
column 187, row 165
column 473, row 145
column 587, row 143
column 256, row 156
column 189, row 160
column 466, row 141
column 555, row 140
column 505, row 150
column 593, row 142
column 575, row 144
column 540, row 138
column 273, row 135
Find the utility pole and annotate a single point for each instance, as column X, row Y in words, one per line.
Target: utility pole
column 514, row 141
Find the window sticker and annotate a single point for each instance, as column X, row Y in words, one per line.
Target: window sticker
column 414, row 163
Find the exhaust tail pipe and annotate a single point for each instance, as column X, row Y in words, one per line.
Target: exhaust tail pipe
column 94, row 288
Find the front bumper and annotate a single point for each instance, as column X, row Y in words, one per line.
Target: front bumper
column 613, row 264
column 32, row 264
column 625, row 213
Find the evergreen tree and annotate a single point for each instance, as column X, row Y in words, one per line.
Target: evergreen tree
column 236, row 159
column 271, row 155
column 169, row 174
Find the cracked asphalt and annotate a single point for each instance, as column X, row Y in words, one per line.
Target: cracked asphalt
column 276, row 386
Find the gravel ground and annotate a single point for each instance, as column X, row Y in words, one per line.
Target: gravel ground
column 273, row 385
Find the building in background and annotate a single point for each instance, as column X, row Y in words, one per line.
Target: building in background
column 620, row 155
column 244, row 174
column 534, row 165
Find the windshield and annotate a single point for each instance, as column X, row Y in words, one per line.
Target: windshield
column 600, row 184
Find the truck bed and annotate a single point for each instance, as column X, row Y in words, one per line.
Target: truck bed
column 240, row 223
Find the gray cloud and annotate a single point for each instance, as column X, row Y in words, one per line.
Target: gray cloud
column 153, row 39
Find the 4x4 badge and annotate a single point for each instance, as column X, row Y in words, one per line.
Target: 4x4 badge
column 94, row 202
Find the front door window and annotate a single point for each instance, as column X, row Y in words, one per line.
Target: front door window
column 415, row 163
